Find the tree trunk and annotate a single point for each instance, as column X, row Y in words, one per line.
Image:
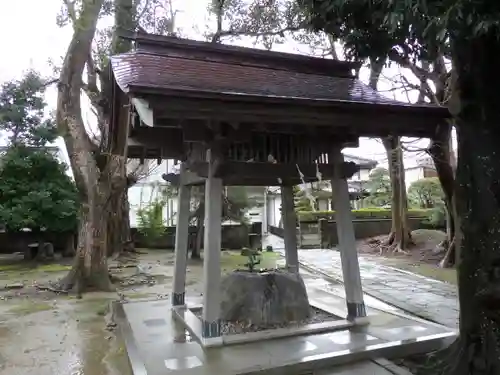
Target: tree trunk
column 69, row 247
column 128, row 243
column 475, row 102
column 400, row 237
column 196, row 248
column 440, row 152
column 90, row 266
column 119, row 236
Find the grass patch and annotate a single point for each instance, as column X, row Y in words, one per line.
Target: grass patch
column 233, row 260
column 31, row 267
column 27, row 308
column 53, row 268
column 97, row 305
column 137, row 295
column 448, row 275
column 10, row 267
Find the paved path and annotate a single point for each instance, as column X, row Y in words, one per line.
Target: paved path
column 420, row 296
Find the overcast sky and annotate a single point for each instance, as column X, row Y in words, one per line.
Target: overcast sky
column 31, row 38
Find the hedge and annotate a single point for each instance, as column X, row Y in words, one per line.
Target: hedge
column 363, row 213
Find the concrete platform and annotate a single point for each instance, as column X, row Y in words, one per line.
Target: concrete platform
column 158, row 344
column 192, row 323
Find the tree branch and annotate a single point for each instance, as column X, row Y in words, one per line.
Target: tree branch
column 143, row 12
column 219, row 14
column 405, row 62
column 70, row 6
column 236, row 33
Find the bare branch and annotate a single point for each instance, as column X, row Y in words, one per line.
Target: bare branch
column 405, row 62
column 70, row 6
column 138, row 171
column 219, row 12
column 237, row 33
column 143, row 12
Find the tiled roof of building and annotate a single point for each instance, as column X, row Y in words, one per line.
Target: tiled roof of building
column 161, row 63
column 149, row 70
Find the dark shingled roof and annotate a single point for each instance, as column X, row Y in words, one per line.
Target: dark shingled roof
column 179, row 64
column 148, row 70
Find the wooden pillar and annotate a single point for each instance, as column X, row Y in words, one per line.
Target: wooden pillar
column 264, row 214
column 212, row 251
column 181, row 241
column 290, row 228
column 347, row 241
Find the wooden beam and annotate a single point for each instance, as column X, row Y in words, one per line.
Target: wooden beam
column 245, row 181
column 241, row 130
column 168, row 143
column 374, row 122
column 272, row 171
column 190, row 178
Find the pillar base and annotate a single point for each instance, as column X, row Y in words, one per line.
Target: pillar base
column 355, row 310
column 211, row 329
column 178, row 299
column 292, row 268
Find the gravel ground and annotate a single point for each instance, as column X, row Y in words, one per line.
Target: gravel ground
column 233, row 328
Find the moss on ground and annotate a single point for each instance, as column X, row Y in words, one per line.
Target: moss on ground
column 231, row 260
column 447, row 275
column 53, row 268
column 138, row 295
column 98, row 305
column 26, row 308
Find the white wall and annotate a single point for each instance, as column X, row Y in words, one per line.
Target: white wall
column 412, row 175
column 149, row 188
column 273, row 210
column 361, row 175
column 141, row 194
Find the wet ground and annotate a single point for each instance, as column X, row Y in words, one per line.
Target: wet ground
column 42, row 333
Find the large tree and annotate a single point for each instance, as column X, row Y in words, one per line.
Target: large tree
column 93, row 182
column 35, row 191
column 399, row 238
column 379, row 187
column 472, row 29
column 426, row 193
column 23, row 117
column 98, row 161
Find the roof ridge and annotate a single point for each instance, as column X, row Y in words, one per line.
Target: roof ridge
column 232, row 63
column 166, row 41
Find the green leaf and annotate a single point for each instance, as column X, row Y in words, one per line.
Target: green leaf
column 36, row 192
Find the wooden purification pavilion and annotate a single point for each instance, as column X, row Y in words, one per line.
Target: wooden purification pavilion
column 242, row 116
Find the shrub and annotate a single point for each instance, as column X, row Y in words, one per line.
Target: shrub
column 436, row 218
column 363, row 213
column 36, row 192
column 150, row 220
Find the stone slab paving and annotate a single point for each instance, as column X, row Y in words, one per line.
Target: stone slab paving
column 426, row 298
column 157, row 344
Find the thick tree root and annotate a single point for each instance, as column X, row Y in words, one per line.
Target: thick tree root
column 389, row 244
column 397, row 249
column 389, row 240
column 75, row 281
column 449, row 257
